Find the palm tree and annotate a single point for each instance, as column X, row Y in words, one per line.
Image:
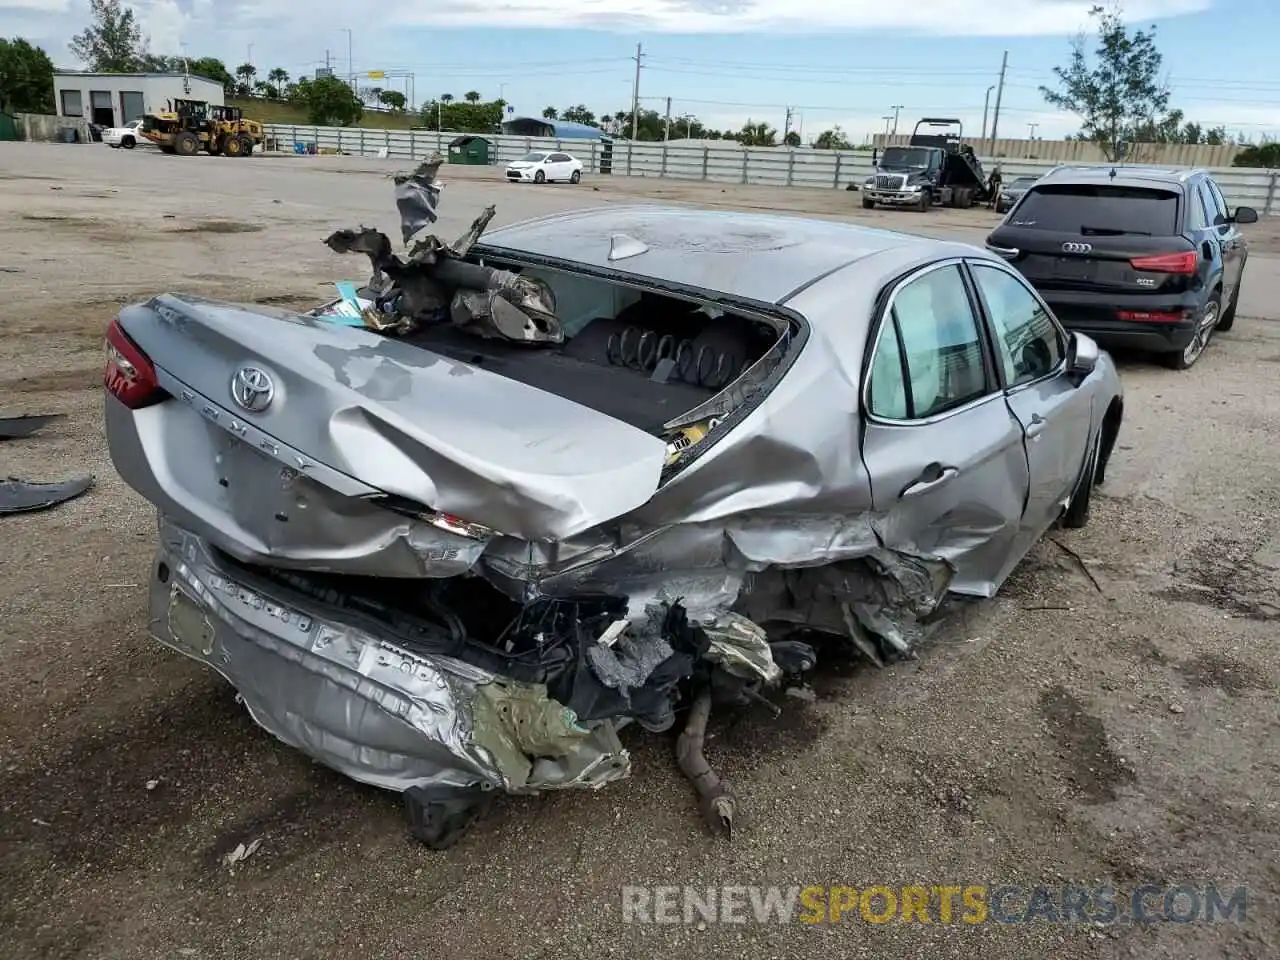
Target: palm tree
column 472, row 96
column 446, row 98
column 279, row 78
column 550, row 113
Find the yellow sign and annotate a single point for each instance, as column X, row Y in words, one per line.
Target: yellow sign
column 376, row 74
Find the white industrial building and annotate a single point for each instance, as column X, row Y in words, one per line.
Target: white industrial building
column 114, row 99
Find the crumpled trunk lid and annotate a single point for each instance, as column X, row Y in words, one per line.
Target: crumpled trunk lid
column 407, row 422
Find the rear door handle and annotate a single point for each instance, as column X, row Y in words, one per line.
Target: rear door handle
column 931, row 477
column 1035, row 426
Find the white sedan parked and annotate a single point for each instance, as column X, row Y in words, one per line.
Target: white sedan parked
column 127, row 136
column 542, row 166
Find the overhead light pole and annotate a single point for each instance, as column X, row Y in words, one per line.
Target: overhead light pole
column 986, row 102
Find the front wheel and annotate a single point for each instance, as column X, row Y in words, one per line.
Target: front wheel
column 1184, row 359
column 539, row 177
column 1077, row 512
column 576, row 177
column 923, row 204
column 868, row 204
column 128, row 143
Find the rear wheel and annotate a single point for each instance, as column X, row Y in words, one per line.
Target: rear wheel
column 1228, row 318
column 539, row 177
column 1186, row 358
column 963, row 198
column 186, row 144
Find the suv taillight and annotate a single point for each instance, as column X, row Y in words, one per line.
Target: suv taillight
column 129, row 375
column 1182, row 262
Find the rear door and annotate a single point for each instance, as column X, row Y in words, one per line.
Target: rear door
column 560, row 167
column 1227, row 236
column 944, row 453
column 1056, row 416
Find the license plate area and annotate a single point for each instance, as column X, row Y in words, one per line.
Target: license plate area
column 1074, row 268
column 189, row 625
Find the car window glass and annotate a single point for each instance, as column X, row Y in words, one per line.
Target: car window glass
column 1219, row 203
column 887, row 390
column 941, row 343
column 1199, row 208
column 1027, row 340
column 558, row 158
column 1092, row 209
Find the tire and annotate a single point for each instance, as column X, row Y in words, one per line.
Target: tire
column 246, row 146
column 232, row 146
column 963, row 198
column 1077, row 513
column 923, row 205
column 1228, row 318
column 128, row 143
column 1186, row 358
column 539, row 177
column 576, row 177
column 868, row 204
column 186, row 144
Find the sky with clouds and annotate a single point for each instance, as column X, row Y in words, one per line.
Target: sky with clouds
column 850, row 62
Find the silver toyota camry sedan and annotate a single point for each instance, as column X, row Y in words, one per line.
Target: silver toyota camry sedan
column 607, row 467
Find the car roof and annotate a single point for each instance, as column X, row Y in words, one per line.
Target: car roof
column 1136, row 175
column 756, row 256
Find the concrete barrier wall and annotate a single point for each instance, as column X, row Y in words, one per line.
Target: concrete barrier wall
column 40, row 126
column 768, row 166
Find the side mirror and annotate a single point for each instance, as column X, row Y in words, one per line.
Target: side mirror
column 1245, row 215
column 1082, row 356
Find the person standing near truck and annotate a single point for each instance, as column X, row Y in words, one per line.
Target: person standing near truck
column 993, row 186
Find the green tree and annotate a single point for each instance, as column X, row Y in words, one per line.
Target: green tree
column 472, row 96
column 550, row 113
column 446, row 98
column 1260, row 155
column 578, row 114
column 26, row 78
column 792, row 139
column 112, row 43
column 833, row 139
column 329, row 101
column 279, row 79
column 467, row 117
column 755, row 134
column 1119, row 93
column 393, row 99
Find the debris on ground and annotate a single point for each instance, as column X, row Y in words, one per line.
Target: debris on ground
column 22, row 496
column 242, row 852
column 16, row 428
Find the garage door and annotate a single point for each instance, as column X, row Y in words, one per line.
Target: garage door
column 101, row 110
column 131, row 107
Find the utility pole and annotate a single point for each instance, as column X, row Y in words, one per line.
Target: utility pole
column 249, row 58
column 1033, row 129
column 635, row 107
column 995, row 119
column 666, row 127
column 896, row 108
column 887, row 120
column 986, row 102
column 351, row 73
column 786, row 126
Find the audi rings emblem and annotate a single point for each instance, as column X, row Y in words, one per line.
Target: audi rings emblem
column 1077, row 247
column 252, row 389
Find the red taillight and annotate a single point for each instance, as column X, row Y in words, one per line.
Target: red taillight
column 1154, row 316
column 129, row 375
column 1167, row 262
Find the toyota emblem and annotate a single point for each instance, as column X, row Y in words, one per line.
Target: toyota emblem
column 252, row 389
column 1077, row 247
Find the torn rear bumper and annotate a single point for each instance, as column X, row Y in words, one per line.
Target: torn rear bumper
column 366, row 707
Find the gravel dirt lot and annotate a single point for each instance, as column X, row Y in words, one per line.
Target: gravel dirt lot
column 1110, row 718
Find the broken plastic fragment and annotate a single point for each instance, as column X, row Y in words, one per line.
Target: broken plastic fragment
column 741, row 647
column 15, row 428
column 19, row 496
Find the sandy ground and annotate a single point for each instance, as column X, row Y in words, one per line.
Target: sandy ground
column 1110, row 718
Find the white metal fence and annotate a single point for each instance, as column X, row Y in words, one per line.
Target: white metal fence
column 675, row 160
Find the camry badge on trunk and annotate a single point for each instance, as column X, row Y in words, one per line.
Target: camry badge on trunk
column 1077, row 247
column 252, row 389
